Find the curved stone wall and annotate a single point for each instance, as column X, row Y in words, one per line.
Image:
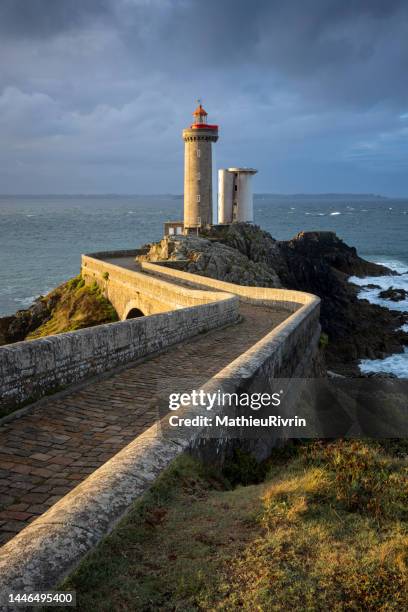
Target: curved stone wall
column 41, row 555
column 127, row 289
column 31, row 369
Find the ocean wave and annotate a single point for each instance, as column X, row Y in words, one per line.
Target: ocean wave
column 333, row 214
column 383, row 282
column 394, row 264
column 395, row 364
column 27, row 301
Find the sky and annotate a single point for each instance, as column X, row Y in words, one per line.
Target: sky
column 94, row 94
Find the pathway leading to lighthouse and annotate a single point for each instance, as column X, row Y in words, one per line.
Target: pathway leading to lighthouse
column 46, row 452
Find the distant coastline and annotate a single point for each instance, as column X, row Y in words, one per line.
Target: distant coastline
column 291, row 196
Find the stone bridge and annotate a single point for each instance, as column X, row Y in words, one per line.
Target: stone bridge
column 73, row 462
column 132, row 292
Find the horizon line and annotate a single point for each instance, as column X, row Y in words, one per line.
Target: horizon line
column 180, row 195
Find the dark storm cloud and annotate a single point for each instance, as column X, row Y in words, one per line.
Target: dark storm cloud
column 348, row 50
column 93, row 93
column 42, row 18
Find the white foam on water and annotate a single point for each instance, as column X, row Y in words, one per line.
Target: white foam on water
column 394, row 264
column 398, row 363
column 333, row 214
column 395, row 364
column 384, row 282
column 26, row 301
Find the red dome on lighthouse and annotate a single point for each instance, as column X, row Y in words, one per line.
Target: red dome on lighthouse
column 200, row 112
column 200, row 119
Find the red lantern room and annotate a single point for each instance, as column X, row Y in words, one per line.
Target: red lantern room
column 200, row 119
column 200, row 115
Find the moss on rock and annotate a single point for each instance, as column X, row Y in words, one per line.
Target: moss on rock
column 71, row 306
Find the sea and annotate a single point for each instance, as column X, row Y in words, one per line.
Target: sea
column 42, row 238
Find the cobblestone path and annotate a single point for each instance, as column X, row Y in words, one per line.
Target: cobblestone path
column 58, row 443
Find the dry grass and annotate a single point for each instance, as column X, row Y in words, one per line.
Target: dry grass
column 325, row 531
column 74, row 305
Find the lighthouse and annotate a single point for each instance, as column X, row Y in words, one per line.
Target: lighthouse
column 235, row 201
column 198, row 139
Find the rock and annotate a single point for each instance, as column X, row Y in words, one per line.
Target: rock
column 331, row 374
column 18, row 326
column 371, row 286
column 395, row 295
column 378, row 375
column 72, row 305
column 316, row 262
column 214, row 259
column 328, row 248
column 250, row 240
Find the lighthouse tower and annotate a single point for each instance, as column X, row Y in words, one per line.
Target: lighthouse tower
column 198, row 139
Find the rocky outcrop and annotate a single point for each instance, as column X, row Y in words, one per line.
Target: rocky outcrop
column 326, row 248
column 17, row 327
column 316, row 262
column 395, row 295
column 321, row 263
column 72, row 305
column 211, row 258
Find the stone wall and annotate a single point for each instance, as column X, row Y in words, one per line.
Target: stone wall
column 41, row 555
column 290, row 350
column 127, row 289
column 264, row 296
column 32, row 369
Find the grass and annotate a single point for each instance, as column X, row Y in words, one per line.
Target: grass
column 73, row 306
column 325, row 530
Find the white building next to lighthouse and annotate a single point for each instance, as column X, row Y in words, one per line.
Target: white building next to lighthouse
column 235, row 199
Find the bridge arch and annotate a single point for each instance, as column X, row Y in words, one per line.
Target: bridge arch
column 134, row 313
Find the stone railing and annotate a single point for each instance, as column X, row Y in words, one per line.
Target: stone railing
column 31, row 369
column 127, row 289
column 285, row 299
column 41, row 555
column 285, row 350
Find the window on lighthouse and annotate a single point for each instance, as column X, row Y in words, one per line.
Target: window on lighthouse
column 198, row 176
column 198, row 152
